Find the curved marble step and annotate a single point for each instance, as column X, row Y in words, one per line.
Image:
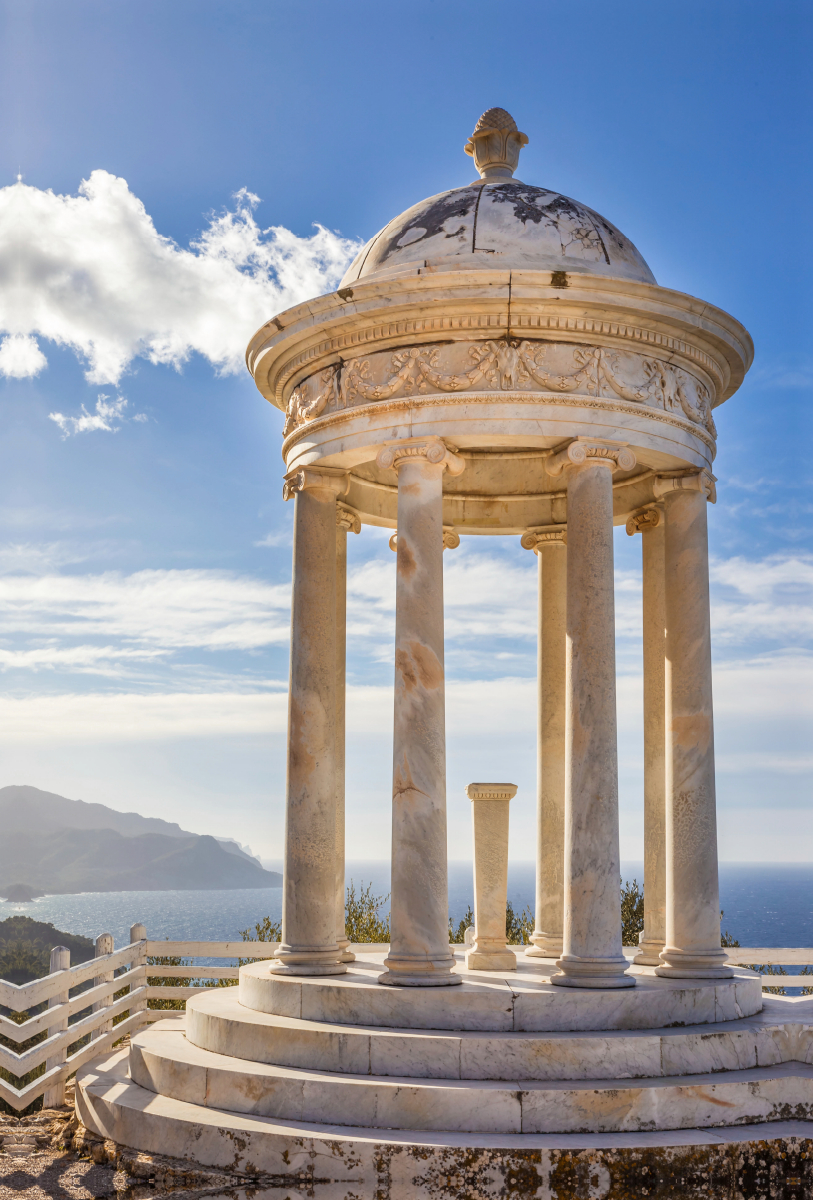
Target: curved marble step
column 216, row 1021
column 166, row 1063
column 337, row 1159
column 519, row 1001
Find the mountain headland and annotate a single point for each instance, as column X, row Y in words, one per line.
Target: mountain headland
column 51, row 844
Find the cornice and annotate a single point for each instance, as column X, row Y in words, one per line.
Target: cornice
column 450, row 305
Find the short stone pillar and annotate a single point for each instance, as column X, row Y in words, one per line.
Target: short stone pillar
column 489, row 811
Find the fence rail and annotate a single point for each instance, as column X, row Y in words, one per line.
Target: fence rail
column 89, row 1021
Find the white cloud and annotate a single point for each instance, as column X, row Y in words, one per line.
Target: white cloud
column 109, row 416
column 21, row 357
column 101, row 717
column 92, row 273
column 145, row 613
column 63, row 618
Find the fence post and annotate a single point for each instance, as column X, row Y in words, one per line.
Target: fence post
column 139, row 934
column 104, row 945
column 60, row 961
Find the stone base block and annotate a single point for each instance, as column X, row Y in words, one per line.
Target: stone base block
column 490, row 960
column 336, row 1162
column 168, row 1065
column 216, row 1021
column 531, row 1002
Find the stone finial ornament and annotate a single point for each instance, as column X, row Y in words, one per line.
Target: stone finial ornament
column 495, row 144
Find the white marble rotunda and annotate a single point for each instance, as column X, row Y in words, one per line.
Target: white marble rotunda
column 498, row 361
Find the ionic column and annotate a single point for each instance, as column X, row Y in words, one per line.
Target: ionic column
column 692, row 947
column 550, row 546
column 419, row 917
column 592, row 954
column 309, row 944
column 650, row 524
column 346, row 520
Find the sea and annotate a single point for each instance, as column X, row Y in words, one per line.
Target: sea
column 764, row 904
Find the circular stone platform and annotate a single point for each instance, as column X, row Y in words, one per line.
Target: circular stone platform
column 521, row 1001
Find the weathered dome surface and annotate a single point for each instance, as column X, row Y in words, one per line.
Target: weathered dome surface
column 500, row 225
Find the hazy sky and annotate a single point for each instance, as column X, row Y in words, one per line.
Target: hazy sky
column 185, row 171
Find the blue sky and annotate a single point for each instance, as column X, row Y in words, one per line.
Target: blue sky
column 144, row 543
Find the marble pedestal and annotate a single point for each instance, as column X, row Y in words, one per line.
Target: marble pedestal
column 489, row 814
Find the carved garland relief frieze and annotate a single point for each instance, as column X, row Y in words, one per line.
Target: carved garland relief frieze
column 504, row 365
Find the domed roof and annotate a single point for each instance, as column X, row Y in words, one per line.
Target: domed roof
column 499, row 223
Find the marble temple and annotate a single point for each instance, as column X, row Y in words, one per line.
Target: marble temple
column 498, row 361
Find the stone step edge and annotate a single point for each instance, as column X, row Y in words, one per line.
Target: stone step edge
column 250, row 1016
column 221, row 1062
column 103, row 1085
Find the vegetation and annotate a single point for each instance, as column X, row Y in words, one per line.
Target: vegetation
column 362, row 921
column 632, row 912
column 25, row 955
column 26, row 944
column 518, row 926
column 457, row 934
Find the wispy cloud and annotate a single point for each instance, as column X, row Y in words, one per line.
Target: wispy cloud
column 143, row 615
column 91, row 272
column 109, row 416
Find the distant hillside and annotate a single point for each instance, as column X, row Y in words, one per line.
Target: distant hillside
column 51, row 844
column 25, row 948
column 28, row 809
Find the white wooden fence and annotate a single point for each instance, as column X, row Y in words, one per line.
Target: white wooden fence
column 114, row 970
column 111, row 971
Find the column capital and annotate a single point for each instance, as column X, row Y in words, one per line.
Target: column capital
column 325, row 479
column 543, row 535
column 696, row 481
column 491, row 791
column 645, row 518
column 451, row 539
column 347, row 519
column 433, row 449
column 616, row 455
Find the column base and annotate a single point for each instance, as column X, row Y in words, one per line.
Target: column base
column 693, row 964
column 305, row 962
column 346, row 955
column 648, row 954
column 419, row 972
column 544, row 945
column 578, row 972
column 490, row 960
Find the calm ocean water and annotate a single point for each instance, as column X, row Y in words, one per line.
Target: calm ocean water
column 765, row 904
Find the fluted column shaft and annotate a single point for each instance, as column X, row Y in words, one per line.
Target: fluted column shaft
column 309, row 945
column 592, row 954
column 652, row 941
column 692, row 893
column 419, row 930
column 551, row 550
